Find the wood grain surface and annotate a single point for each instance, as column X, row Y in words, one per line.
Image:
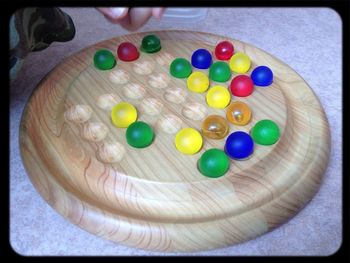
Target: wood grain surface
column 155, row 198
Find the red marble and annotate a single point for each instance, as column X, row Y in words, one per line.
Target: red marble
column 127, row 52
column 224, row 50
column 242, row 86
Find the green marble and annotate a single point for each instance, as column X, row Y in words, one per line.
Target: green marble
column 213, row 163
column 265, row 132
column 219, row 71
column 180, row 68
column 139, row 134
column 150, row 44
column 104, row 59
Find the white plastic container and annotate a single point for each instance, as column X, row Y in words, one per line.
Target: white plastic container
column 184, row 15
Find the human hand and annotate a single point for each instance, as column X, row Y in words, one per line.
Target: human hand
column 131, row 18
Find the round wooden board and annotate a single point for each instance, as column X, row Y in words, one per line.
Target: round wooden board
column 155, row 198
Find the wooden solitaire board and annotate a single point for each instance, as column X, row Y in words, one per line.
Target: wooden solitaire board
column 155, row 198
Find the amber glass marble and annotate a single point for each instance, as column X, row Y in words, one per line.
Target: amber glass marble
column 215, row 127
column 239, row 113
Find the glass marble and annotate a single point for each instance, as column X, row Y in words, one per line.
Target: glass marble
column 224, row 50
column 265, row 132
column 198, row 82
column 238, row 113
column 239, row 145
column 150, row 44
column 213, row 163
column 127, row 52
column 180, row 68
column 242, row 86
column 104, row 59
column 139, row 134
column 188, row 141
column 219, row 71
column 123, row 114
column 218, row 97
column 262, row 76
column 240, row 63
column 215, row 127
column 201, row 59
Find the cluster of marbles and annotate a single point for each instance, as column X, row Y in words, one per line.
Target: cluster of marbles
column 138, row 134
column 104, row 59
column 124, row 115
column 239, row 145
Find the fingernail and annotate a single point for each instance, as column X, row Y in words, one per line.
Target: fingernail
column 158, row 12
column 116, row 12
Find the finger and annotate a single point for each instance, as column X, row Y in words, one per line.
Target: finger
column 137, row 17
column 114, row 14
column 158, row 12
